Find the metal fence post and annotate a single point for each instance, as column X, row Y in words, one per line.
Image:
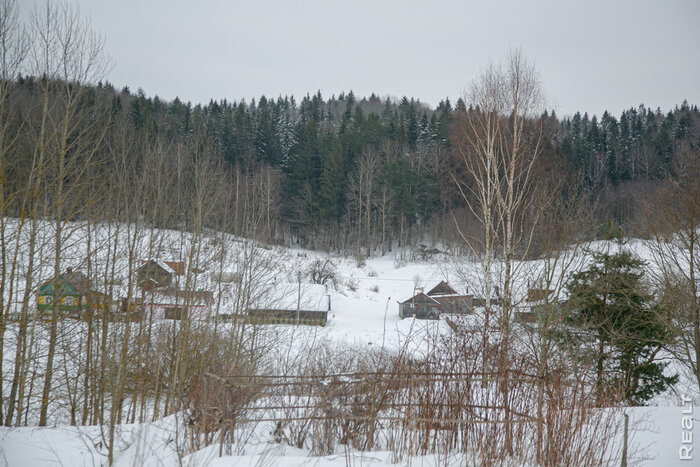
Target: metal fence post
column 623, row 462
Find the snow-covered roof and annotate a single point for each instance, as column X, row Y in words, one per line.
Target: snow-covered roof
column 179, row 297
column 452, row 295
column 442, row 289
column 421, row 297
column 172, row 267
column 290, row 296
column 75, row 279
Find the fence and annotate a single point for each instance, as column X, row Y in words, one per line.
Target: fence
column 413, row 412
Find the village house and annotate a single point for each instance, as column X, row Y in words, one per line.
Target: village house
column 538, row 295
column 173, row 303
column 153, row 274
column 73, row 292
column 166, row 294
column 440, row 299
column 420, row 306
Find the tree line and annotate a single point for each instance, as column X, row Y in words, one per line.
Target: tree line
column 360, row 175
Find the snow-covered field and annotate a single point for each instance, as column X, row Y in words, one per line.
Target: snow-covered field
column 655, row 440
column 364, row 313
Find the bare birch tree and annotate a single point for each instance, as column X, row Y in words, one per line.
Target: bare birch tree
column 674, row 215
column 12, row 53
column 363, row 187
column 560, row 247
column 498, row 141
column 68, row 55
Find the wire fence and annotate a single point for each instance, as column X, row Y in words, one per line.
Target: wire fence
column 418, row 410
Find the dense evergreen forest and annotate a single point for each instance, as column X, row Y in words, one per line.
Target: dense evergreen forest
column 342, row 173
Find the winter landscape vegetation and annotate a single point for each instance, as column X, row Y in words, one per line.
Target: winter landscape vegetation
column 343, row 280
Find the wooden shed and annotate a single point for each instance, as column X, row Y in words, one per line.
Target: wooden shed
column 292, row 304
column 272, row 316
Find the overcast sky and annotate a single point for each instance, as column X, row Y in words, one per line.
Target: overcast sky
column 592, row 55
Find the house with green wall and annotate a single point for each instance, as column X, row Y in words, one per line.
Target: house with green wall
column 72, row 290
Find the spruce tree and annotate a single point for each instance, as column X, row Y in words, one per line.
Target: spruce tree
column 609, row 303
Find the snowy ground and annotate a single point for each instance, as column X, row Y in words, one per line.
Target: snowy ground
column 655, row 439
column 364, row 312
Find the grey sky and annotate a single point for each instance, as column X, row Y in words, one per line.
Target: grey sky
column 592, row 55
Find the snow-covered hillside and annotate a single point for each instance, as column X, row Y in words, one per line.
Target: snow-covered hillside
column 364, row 314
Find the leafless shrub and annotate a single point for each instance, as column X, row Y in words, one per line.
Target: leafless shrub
column 339, row 397
column 352, row 284
column 323, row 271
column 576, row 433
column 441, row 402
column 423, row 253
column 215, row 400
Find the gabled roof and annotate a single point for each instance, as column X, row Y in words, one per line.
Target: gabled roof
column 173, row 296
column 443, row 288
column 71, row 283
column 421, row 298
column 290, row 296
column 150, row 263
column 176, row 267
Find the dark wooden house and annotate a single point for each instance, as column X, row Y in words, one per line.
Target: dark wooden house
column 443, row 288
column 420, row 306
column 536, row 305
column 440, row 299
column 451, row 301
column 479, row 302
column 157, row 275
column 538, row 295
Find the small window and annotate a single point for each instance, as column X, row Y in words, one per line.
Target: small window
column 68, row 301
column 411, row 305
column 48, row 299
column 174, row 313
